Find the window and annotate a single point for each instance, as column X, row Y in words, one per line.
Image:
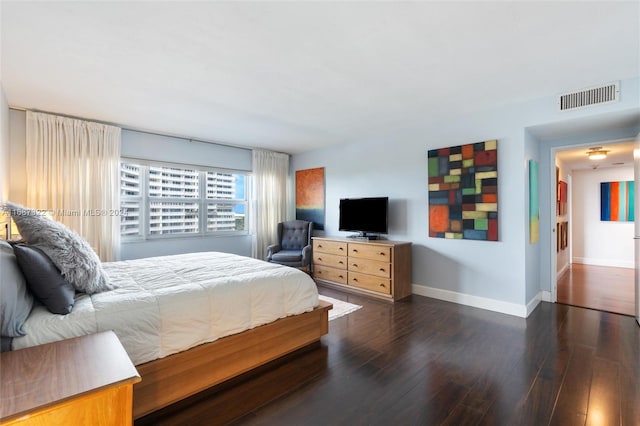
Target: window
column 167, row 200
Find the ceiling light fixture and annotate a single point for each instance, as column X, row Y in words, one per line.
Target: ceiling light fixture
column 597, row 153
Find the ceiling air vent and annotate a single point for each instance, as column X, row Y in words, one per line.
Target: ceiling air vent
column 590, row 96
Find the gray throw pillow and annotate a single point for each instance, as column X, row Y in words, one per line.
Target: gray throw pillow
column 15, row 300
column 44, row 279
column 73, row 256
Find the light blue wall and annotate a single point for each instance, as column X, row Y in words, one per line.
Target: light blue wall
column 510, row 270
column 232, row 244
column 547, row 178
column 149, row 146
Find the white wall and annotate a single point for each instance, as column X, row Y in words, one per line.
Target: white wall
column 595, row 242
column 4, row 136
column 4, row 158
column 17, row 156
column 4, row 146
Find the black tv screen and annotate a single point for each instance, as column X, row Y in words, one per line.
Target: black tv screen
column 364, row 215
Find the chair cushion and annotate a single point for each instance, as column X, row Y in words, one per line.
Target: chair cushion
column 295, row 237
column 287, row 256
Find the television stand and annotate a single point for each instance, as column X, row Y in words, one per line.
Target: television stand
column 380, row 269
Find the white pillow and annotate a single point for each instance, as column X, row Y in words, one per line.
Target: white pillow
column 75, row 258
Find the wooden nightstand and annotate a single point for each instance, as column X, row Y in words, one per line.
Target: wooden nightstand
column 81, row 381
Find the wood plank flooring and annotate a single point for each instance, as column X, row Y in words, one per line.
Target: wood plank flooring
column 423, row 361
column 598, row 287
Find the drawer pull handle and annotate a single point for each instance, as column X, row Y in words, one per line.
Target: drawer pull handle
column 341, row 262
column 381, row 285
column 381, row 253
column 355, row 250
column 340, row 276
column 340, row 248
column 319, row 258
column 354, row 264
column 355, row 279
column 319, row 245
column 382, row 269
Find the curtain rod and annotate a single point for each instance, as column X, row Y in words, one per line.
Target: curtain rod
column 133, row 129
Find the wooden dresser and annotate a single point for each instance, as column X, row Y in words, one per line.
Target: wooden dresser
column 81, row 381
column 377, row 268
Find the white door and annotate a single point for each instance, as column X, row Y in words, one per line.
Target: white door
column 636, row 178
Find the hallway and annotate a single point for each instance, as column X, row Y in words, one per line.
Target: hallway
column 598, row 287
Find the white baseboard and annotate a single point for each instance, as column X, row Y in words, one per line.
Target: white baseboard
column 615, row 263
column 533, row 304
column 508, row 308
column 564, row 269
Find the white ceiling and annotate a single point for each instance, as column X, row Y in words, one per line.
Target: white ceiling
column 620, row 154
column 295, row 76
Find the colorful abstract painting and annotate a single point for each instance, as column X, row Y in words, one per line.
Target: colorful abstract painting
column 617, row 201
column 463, row 191
column 310, row 196
column 534, row 207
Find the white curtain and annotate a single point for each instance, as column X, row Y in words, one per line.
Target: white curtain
column 73, row 169
column 270, row 175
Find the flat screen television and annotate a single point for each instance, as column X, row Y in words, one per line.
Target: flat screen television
column 364, row 215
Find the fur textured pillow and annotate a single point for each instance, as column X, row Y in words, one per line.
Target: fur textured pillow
column 73, row 256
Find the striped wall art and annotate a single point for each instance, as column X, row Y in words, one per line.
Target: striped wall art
column 463, row 191
column 617, row 201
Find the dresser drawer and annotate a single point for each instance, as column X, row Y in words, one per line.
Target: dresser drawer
column 330, row 274
column 370, row 251
column 332, row 260
column 378, row 284
column 372, row 267
column 331, row 247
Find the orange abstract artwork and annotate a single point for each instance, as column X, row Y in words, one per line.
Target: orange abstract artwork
column 310, row 196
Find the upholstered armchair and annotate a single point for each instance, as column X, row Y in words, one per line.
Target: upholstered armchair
column 294, row 244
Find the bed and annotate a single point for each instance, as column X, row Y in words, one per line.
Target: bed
column 188, row 321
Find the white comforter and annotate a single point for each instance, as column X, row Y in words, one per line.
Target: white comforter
column 168, row 304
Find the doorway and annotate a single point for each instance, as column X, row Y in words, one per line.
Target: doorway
column 594, row 262
column 602, row 288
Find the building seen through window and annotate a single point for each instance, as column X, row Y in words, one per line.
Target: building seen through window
column 159, row 200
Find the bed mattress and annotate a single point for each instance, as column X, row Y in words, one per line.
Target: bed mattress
column 164, row 305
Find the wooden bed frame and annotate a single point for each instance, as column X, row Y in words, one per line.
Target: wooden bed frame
column 168, row 380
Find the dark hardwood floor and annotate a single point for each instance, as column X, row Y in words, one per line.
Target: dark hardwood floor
column 423, row 361
column 598, row 287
